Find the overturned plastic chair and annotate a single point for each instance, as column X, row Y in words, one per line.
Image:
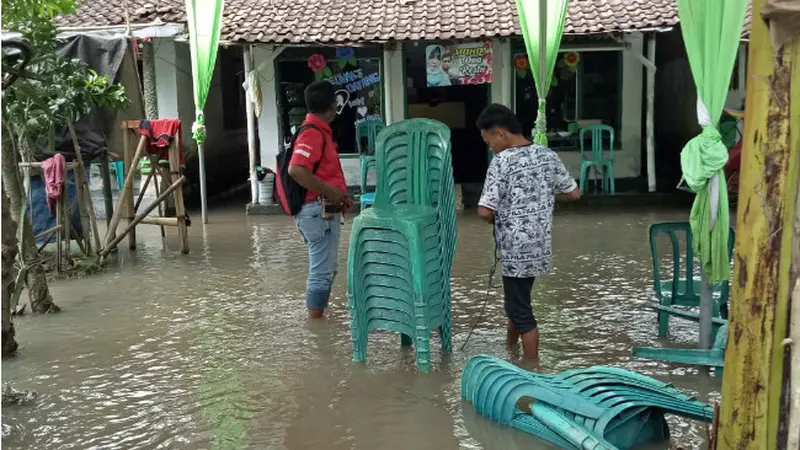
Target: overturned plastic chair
column 594, row 408
column 401, row 250
column 682, row 289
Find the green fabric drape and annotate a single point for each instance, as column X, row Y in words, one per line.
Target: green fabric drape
column 541, row 62
column 204, row 19
column 711, row 33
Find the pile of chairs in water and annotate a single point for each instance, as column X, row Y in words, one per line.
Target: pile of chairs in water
column 594, row 408
column 401, row 250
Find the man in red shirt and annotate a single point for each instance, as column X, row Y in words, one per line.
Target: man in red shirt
column 315, row 166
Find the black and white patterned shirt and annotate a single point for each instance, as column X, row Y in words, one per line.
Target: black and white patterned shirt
column 520, row 187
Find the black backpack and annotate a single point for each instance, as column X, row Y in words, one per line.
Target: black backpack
column 291, row 195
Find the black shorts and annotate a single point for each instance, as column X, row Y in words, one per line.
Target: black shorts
column 517, row 293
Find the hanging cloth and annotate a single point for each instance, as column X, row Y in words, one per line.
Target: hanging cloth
column 711, row 33
column 542, row 24
column 55, row 174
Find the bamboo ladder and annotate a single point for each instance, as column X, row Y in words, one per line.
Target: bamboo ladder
column 127, row 208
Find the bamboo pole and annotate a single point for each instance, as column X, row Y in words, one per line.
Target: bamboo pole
column 754, row 411
column 59, row 218
column 112, row 227
column 180, row 211
column 140, row 217
column 161, row 221
column 87, row 195
column 65, row 216
column 126, row 194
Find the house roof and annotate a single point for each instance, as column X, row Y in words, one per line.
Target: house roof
column 338, row 21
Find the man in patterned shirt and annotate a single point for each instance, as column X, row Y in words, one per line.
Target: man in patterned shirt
column 522, row 184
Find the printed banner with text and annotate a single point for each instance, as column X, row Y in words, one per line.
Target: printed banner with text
column 450, row 65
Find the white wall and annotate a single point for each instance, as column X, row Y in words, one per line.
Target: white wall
column 268, row 132
column 627, row 162
column 174, row 84
column 502, row 75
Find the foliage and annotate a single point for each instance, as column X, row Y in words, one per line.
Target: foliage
column 53, row 91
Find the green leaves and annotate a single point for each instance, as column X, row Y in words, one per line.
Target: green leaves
column 52, row 92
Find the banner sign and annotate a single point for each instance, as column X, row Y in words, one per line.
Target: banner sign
column 466, row 63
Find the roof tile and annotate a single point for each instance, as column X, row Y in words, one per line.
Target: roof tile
column 336, row 21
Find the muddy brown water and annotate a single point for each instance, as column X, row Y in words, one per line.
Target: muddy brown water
column 212, row 350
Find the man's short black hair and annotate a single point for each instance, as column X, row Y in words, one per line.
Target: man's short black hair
column 320, row 97
column 498, row 116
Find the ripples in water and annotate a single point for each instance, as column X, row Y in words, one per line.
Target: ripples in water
column 212, row 350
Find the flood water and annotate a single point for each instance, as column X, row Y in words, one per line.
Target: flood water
column 212, row 350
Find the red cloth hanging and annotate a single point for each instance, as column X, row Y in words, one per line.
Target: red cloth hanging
column 160, row 133
column 55, row 173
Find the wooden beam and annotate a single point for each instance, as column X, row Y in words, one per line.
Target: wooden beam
column 754, row 411
column 129, row 176
column 162, row 221
column 136, row 220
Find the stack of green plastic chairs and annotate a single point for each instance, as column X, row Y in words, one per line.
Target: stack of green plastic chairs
column 401, row 250
column 594, row 408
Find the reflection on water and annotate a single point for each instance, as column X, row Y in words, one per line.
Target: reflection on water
column 212, row 350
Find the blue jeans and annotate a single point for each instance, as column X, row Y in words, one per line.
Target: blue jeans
column 322, row 239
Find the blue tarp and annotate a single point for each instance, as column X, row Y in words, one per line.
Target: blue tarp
column 40, row 214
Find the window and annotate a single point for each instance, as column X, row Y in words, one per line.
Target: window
column 355, row 73
column 585, row 89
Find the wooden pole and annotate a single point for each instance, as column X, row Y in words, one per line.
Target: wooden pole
column 65, row 215
column 251, row 130
column 84, row 191
column 108, row 200
column 173, row 187
column 755, row 402
column 651, row 82
column 180, row 211
column 127, row 193
column 161, row 221
column 112, row 227
column 59, row 218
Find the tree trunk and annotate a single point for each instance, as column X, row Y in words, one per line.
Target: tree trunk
column 755, row 400
column 9, row 232
column 149, row 80
column 38, row 292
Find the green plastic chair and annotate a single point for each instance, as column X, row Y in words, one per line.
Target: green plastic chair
column 595, row 408
column 597, row 159
column 401, row 250
column 682, row 289
column 366, row 135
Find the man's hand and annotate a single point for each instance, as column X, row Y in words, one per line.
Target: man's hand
column 337, row 197
column 486, row 214
column 572, row 196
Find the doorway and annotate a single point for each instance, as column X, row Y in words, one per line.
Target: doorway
column 458, row 107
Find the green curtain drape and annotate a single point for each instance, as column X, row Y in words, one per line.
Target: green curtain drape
column 711, row 33
column 542, row 24
column 204, row 19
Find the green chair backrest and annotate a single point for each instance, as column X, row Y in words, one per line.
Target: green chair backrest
column 729, row 131
column 674, row 230
column 412, row 162
column 366, row 133
column 597, row 141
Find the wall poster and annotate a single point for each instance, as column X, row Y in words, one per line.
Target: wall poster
column 457, row 64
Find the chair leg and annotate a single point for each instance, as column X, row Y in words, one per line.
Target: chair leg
column 663, row 324
column 446, row 332
column 422, row 349
column 358, row 331
column 584, row 173
column 611, row 178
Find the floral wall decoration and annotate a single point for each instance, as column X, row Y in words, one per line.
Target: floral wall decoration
column 346, row 56
column 319, row 65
